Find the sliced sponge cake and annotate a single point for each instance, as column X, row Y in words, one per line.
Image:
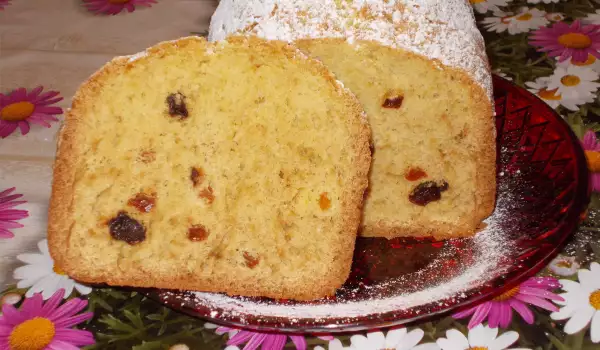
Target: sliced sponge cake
column 236, row 167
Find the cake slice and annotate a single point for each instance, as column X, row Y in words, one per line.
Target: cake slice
column 420, row 71
column 235, row 167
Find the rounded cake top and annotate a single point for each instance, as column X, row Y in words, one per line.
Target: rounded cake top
column 440, row 30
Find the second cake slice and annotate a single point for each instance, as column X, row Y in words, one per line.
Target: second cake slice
column 234, row 167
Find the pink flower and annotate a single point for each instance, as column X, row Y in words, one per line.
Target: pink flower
column 591, row 147
column 271, row 341
column 568, row 41
column 4, row 3
column 8, row 216
column 38, row 326
column 21, row 108
column 498, row 311
column 113, row 7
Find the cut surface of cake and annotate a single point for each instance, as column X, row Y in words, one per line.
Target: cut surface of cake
column 420, row 71
column 235, row 167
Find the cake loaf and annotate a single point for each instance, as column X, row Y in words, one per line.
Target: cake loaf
column 235, row 167
column 420, row 71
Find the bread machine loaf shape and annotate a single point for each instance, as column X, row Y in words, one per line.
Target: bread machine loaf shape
column 420, row 70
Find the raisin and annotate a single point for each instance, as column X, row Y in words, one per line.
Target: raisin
column 197, row 176
column 207, row 194
column 324, row 201
column 197, row 233
column 444, row 186
column 251, row 261
column 143, row 202
column 427, row 192
column 414, row 174
column 177, row 107
column 147, row 156
column 124, row 228
column 393, row 100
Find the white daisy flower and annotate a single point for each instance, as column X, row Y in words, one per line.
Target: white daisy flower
column 592, row 18
column 41, row 275
column 10, row 299
column 335, row 344
column 544, row 1
column 582, row 302
column 503, row 75
column 574, row 81
column 480, row 337
column 399, row 339
column 592, row 62
column 551, row 96
column 483, row 6
column 179, row 347
column 521, row 22
column 563, row 265
column 554, row 16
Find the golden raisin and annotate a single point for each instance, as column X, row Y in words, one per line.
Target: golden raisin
column 414, row 174
column 207, row 194
column 324, row 201
column 197, row 233
column 197, row 176
column 143, row 202
column 251, row 261
column 147, row 156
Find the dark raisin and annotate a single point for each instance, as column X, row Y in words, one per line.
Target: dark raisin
column 197, row 233
column 143, row 202
column 177, row 107
column 124, row 228
column 207, row 194
column 444, row 186
column 251, row 261
column 427, row 192
column 414, row 174
column 392, row 99
column 197, row 176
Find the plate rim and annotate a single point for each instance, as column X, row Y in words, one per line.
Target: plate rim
column 390, row 318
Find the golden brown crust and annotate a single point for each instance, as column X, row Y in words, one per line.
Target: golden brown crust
column 70, row 150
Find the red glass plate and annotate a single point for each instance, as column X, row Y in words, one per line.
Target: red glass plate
column 543, row 189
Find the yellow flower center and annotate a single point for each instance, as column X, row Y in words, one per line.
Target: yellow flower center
column 477, row 1
column 524, row 17
column 57, row 270
column 507, row 295
column 564, row 263
column 570, row 80
column 595, row 299
column 590, row 60
column 17, row 111
column 478, row 348
column 549, row 94
column 118, row 1
column 34, row 334
column 575, row 40
column 593, row 160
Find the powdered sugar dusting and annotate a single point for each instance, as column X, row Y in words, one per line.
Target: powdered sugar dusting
column 137, row 56
column 490, row 248
column 440, row 30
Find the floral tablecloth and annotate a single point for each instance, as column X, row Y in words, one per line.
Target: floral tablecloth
column 48, row 47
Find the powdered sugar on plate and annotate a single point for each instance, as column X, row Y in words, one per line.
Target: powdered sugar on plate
column 489, row 247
